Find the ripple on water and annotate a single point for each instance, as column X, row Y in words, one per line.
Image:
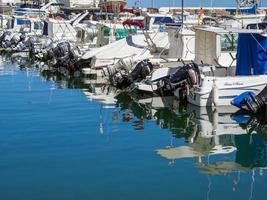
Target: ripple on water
column 57, row 144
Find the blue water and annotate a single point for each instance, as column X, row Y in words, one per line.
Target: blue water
column 56, row 144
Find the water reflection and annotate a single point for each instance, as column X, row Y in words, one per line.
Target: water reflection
column 207, row 132
column 217, row 141
column 221, row 141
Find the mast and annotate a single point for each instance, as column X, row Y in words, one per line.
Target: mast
column 182, row 4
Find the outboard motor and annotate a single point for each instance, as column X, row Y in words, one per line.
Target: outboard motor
column 5, row 39
column 38, row 48
column 183, row 79
column 250, row 102
column 64, row 56
column 21, row 46
column 125, row 64
column 62, row 50
column 15, row 40
column 30, row 44
column 187, row 73
column 1, row 35
column 10, row 39
column 140, row 71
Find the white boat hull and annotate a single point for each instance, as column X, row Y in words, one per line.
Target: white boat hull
column 220, row 91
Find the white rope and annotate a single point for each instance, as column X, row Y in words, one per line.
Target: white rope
column 258, row 42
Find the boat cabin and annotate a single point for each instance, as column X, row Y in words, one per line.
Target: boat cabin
column 156, row 21
column 59, row 29
column 230, row 62
column 215, row 46
column 219, row 46
column 26, row 25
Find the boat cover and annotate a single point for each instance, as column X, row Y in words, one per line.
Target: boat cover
column 134, row 45
column 244, row 10
column 251, row 54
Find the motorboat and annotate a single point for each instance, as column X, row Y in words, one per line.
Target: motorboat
column 224, row 76
column 132, row 47
column 181, row 50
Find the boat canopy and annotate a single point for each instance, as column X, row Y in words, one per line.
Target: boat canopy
column 134, row 45
column 211, row 42
column 129, row 22
column 206, row 47
column 244, row 10
column 59, row 30
column 251, row 54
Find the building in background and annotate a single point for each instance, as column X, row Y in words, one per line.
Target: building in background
column 79, row 3
column 113, row 6
column 7, row 2
column 7, row 6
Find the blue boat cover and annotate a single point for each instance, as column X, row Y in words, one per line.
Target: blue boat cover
column 251, row 54
column 244, row 10
column 239, row 100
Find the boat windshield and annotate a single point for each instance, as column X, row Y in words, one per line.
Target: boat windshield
column 229, row 42
column 163, row 20
column 38, row 25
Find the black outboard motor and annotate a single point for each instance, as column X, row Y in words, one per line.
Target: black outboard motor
column 5, row 39
column 184, row 78
column 65, row 57
column 2, row 34
column 141, row 70
column 248, row 101
column 15, row 40
column 188, row 73
column 62, row 50
column 10, row 40
column 21, row 46
column 30, row 44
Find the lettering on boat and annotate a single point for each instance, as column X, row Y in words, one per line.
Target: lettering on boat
column 233, row 83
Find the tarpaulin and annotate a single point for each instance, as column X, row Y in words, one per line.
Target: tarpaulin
column 251, row 54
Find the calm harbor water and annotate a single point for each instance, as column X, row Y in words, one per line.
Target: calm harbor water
column 60, row 140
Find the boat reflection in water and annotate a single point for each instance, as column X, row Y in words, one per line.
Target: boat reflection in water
column 222, row 131
column 217, row 141
column 207, row 132
column 222, row 141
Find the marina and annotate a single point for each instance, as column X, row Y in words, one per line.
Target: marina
column 107, row 99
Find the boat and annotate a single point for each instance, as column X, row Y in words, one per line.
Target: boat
column 37, row 10
column 220, row 79
column 132, row 47
column 181, row 50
